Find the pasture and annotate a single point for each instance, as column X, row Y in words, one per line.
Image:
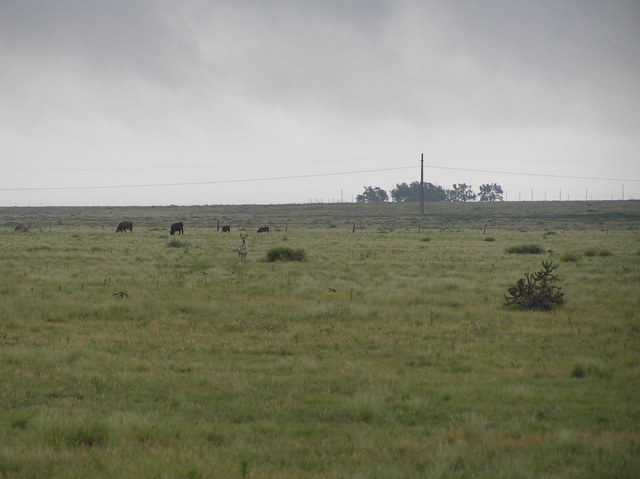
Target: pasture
column 387, row 353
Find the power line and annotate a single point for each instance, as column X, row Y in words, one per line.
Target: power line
column 316, row 175
column 212, row 182
column 528, row 160
column 363, row 158
column 186, row 167
column 532, row 174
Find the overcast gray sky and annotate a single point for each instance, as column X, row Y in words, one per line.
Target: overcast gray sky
column 143, row 102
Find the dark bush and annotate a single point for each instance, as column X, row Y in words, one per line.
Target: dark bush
column 569, row 257
column 536, row 291
column 176, row 243
column 526, row 249
column 285, row 254
column 578, row 371
column 597, row 251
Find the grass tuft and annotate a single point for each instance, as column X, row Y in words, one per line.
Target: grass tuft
column 597, row 251
column 285, row 254
column 526, row 249
column 570, row 257
column 78, row 433
column 176, row 243
column 578, row 371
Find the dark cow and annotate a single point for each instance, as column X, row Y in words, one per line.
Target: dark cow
column 176, row 228
column 226, row 229
column 123, row 226
column 263, row 229
column 21, row 228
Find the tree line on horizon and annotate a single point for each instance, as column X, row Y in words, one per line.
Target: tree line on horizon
column 404, row 192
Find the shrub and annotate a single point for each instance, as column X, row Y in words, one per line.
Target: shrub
column 285, row 254
column 578, row 371
column 176, row 243
column 526, row 249
column 597, row 251
column 536, row 291
column 569, row 257
column 590, row 369
column 490, row 239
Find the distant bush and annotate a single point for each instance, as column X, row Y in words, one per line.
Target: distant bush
column 176, row 243
column 597, row 251
column 583, row 370
column 536, row 291
column 570, row 257
column 489, row 238
column 526, row 249
column 578, row 371
column 285, row 254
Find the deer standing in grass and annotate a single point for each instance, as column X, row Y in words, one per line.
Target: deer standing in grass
column 242, row 249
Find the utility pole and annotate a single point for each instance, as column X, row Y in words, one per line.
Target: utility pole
column 421, row 184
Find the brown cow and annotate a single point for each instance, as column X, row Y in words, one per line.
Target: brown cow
column 21, row 228
column 123, row 226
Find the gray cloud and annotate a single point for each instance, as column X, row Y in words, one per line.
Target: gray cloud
column 148, row 81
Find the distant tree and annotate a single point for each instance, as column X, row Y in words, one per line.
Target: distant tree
column 491, row 192
column 403, row 192
column 461, row 192
column 434, row 193
column 372, row 194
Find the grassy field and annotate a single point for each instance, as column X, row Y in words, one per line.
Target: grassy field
column 387, row 353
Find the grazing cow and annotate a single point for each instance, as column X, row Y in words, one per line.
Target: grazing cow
column 21, row 228
column 226, row 229
column 176, row 228
column 263, row 229
column 242, row 249
column 123, row 226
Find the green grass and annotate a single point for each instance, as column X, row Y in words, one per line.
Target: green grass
column 380, row 355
